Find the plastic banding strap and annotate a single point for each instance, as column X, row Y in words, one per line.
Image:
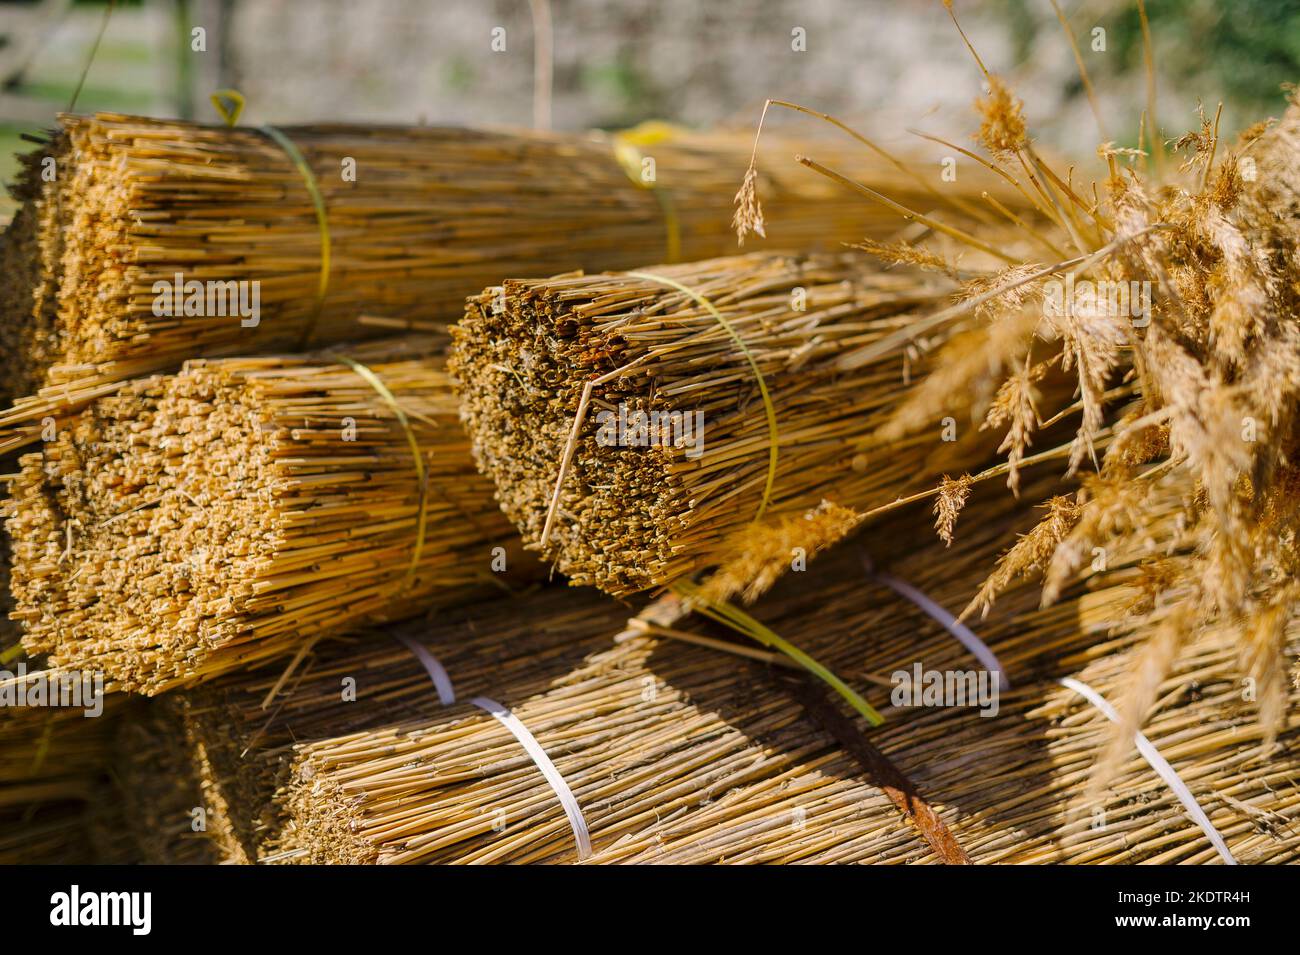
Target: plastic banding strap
column 1161, row 766
column 433, row 666
column 1144, row 746
column 773, row 435
column 322, row 220
column 521, row 733
column 964, row 634
column 627, row 150
column 374, row 381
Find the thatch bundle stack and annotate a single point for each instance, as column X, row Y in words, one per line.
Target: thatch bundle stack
column 686, row 754
column 154, row 812
column 53, row 762
column 723, row 390
column 219, row 501
column 416, row 219
column 229, row 514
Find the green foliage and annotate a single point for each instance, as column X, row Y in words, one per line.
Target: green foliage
column 1245, row 48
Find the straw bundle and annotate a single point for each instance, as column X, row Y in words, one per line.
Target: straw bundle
column 418, row 218
column 233, row 512
column 710, row 779
column 1014, row 789
column 52, row 765
column 679, row 754
column 153, row 812
column 243, row 745
column 684, row 754
column 631, row 517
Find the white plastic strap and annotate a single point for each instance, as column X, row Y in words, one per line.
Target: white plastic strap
column 447, row 696
column 534, row 749
column 986, row 656
column 1161, row 766
column 963, row 633
column 441, row 681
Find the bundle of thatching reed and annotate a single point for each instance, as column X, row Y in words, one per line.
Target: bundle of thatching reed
column 234, row 512
column 242, row 727
column 53, row 762
column 689, row 754
column 153, row 811
column 720, row 391
column 712, row 763
column 416, row 219
column 1015, row 788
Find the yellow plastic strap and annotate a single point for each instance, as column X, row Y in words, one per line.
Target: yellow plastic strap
column 375, row 382
column 229, row 105
column 313, row 189
column 627, row 150
column 772, row 434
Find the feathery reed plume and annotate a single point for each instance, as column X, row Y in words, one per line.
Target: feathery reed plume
column 1176, row 318
column 238, row 510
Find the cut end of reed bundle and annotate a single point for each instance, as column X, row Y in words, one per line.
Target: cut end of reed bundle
column 718, row 392
column 227, row 515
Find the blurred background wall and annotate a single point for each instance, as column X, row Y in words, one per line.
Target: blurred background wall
column 883, row 65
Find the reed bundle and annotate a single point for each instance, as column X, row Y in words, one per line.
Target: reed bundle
column 52, row 766
column 231, row 513
column 418, row 218
column 685, row 754
column 755, row 355
column 242, row 732
column 153, row 812
column 1014, row 789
